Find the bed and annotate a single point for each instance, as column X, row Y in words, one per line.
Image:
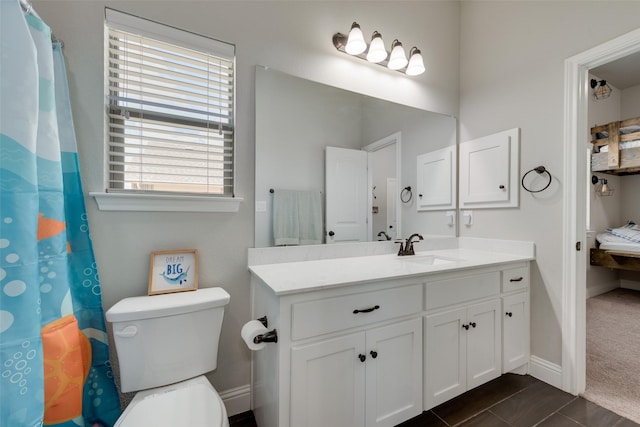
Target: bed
column 614, row 251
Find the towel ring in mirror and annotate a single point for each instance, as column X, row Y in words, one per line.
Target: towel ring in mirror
column 539, row 170
column 403, row 195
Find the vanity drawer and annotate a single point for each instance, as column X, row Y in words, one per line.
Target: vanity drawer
column 317, row 317
column 457, row 290
column 514, row 279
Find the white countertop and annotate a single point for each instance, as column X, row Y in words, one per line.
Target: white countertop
column 304, row 276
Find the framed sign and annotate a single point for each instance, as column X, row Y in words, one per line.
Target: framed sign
column 173, row 271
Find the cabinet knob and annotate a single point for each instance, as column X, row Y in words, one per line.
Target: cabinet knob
column 508, row 313
column 420, row 195
column 362, row 357
column 473, row 324
column 466, row 327
column 373, row 353
column 331, row 233
column 501, row 187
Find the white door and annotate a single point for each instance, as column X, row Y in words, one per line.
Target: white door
column 484, row 343
column 328, row 383
column 346, row 194
column 394, row 373
column 515, row 328
column 445, row 352
column 392, row 206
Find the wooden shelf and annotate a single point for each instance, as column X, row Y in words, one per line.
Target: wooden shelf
column 615, row 161
column 615, row 259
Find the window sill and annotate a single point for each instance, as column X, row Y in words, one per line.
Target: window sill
column 164, row 203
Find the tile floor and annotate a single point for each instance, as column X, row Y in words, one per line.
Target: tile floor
column 511, row 400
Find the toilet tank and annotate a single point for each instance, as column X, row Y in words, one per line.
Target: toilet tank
column 164, row 339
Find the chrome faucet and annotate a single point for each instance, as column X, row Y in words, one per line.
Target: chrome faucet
column 407, row 249
column 386, row 236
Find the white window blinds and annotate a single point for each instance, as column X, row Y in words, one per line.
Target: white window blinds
column 170, row 109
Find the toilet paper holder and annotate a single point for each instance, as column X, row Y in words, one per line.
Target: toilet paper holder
column 271, row 336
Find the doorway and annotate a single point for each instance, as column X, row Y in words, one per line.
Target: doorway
column 574, row 216
column 384, row 175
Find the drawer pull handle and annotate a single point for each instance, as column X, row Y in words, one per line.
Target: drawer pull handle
column 362, row 357
column 517, row 279
column 373, row 353
column 508, row 313
column 366, row 310
column 466, row 327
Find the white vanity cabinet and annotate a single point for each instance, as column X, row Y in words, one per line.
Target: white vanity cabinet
column 345, row 357
column 515, row 318
column 377, row 352
column 476, row 328
column 370, row 378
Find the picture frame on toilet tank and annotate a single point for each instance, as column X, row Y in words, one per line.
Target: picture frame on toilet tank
column 173, row 271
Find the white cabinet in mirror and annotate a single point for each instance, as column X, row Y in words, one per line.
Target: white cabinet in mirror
column 297, row 119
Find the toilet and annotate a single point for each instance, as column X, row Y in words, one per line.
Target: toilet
column 165, row 344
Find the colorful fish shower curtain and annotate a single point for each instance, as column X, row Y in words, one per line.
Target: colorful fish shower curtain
column 54, row 355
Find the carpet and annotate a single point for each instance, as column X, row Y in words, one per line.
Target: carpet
column 613, row 352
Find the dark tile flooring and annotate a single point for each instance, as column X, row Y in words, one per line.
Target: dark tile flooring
column 511, row 400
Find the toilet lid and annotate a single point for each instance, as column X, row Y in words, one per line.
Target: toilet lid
column 195, row 404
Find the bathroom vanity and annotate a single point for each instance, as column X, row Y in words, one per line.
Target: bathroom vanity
column 375, row 340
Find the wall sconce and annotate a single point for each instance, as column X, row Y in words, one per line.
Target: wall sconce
column 602, row 186
column 355, row 45
column 601, row 89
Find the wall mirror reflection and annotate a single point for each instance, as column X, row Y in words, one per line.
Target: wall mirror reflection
column 331, row 164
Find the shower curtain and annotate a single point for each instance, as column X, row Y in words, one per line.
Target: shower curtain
column 54, row 356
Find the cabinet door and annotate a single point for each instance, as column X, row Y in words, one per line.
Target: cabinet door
column 436, row 173
column 515, row 331
column 489, row 171
column 327, row 383
column 445, row 357
column 394, row 373
column 484, row 343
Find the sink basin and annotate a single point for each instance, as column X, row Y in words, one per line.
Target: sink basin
column 427, row 259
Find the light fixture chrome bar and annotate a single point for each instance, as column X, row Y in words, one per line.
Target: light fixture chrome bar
column 413, row 66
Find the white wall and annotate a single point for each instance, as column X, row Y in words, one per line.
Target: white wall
column 630, row 188
column 294, row 37
column 512, row 75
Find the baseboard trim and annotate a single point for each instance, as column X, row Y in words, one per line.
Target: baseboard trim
column 237, row 400
column 630, row 284
column 601, row 288
column 546, row 371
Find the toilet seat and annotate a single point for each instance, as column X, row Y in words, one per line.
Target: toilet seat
column 193, row 403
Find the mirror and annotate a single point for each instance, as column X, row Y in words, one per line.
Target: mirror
column 297, row 119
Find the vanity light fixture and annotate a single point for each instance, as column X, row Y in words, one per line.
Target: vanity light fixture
column 601, row 89
column 355, row 45
column 355, row 42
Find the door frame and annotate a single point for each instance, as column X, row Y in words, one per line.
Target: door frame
column 576, row 96
column 394, row 138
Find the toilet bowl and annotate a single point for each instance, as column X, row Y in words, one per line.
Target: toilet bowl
column 191, row 403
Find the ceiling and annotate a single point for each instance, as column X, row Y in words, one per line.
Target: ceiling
column 622, row 73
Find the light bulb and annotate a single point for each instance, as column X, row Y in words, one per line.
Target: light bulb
column 416, row 65
column 355, row 43
column 398, row 59
column 377, row 52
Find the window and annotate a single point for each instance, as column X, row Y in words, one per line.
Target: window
column 170, row 109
